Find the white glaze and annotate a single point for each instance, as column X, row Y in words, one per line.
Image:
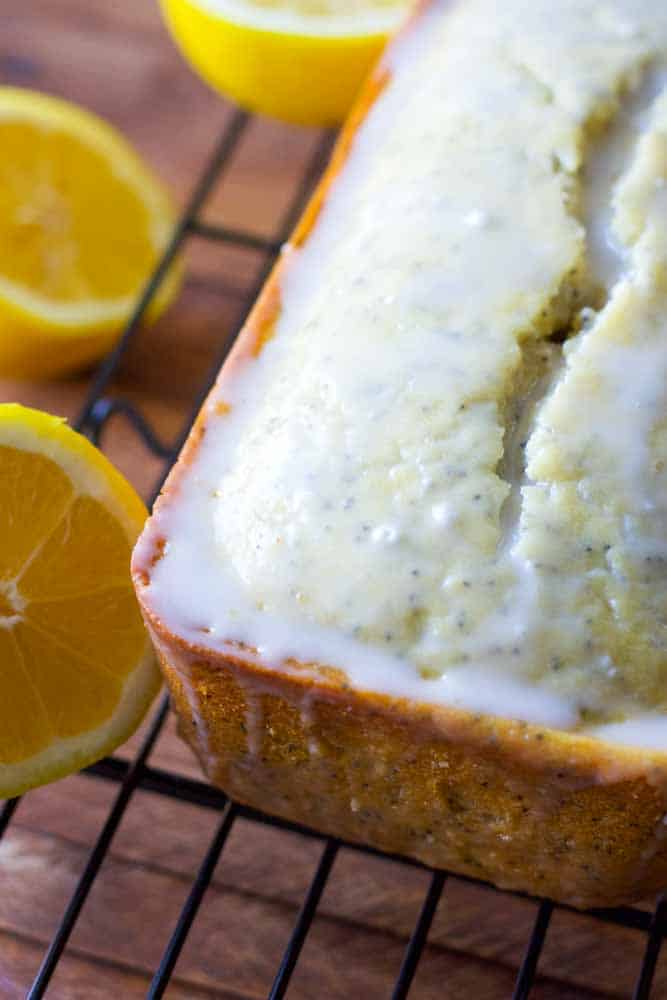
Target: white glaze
column 646, row 731
column 609, row 159
column 352, row 508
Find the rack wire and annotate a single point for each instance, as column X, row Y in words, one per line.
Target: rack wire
column 138, row 774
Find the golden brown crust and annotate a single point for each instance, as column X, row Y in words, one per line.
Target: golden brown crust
column 528, row 808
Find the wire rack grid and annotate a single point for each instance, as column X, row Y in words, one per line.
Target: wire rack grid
column 130, row 776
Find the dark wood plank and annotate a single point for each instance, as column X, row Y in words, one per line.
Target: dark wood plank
column 274, row 867
column 82, row 978
column 240, row 933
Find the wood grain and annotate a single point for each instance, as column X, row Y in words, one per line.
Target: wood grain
column 117, row 59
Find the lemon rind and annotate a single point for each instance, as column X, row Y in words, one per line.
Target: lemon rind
column 89, row 471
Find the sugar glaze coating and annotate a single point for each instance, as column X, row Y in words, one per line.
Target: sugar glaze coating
column 415, row 481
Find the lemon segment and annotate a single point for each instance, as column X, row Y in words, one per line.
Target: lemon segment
column 19, row 742
column 50, row 491
column 302, row 61
column 77, row 672
column 82, row 223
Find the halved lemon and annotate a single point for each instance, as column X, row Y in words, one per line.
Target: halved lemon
column 77, row 672
column 299, row 60
column 82, row 222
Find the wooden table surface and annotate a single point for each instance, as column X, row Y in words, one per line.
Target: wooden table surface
column 116, row 58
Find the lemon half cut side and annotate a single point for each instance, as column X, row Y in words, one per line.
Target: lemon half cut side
column 77, row 672
column 83, row 221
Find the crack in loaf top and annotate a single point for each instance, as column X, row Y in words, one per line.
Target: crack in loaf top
column 416, row 481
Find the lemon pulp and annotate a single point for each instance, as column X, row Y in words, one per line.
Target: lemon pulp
column 327, row 7
column 58, row 236
column 82, row 223
column 76, row 670
column 308, row 15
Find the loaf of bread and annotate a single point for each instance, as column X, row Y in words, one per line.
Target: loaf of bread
column 408, row 579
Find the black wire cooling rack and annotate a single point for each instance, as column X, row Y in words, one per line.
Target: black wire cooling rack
column 130, row 776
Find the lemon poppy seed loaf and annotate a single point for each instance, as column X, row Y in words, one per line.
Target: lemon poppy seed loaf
column 408, row 580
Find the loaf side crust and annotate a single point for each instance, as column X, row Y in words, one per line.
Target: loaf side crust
column 530, row 809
